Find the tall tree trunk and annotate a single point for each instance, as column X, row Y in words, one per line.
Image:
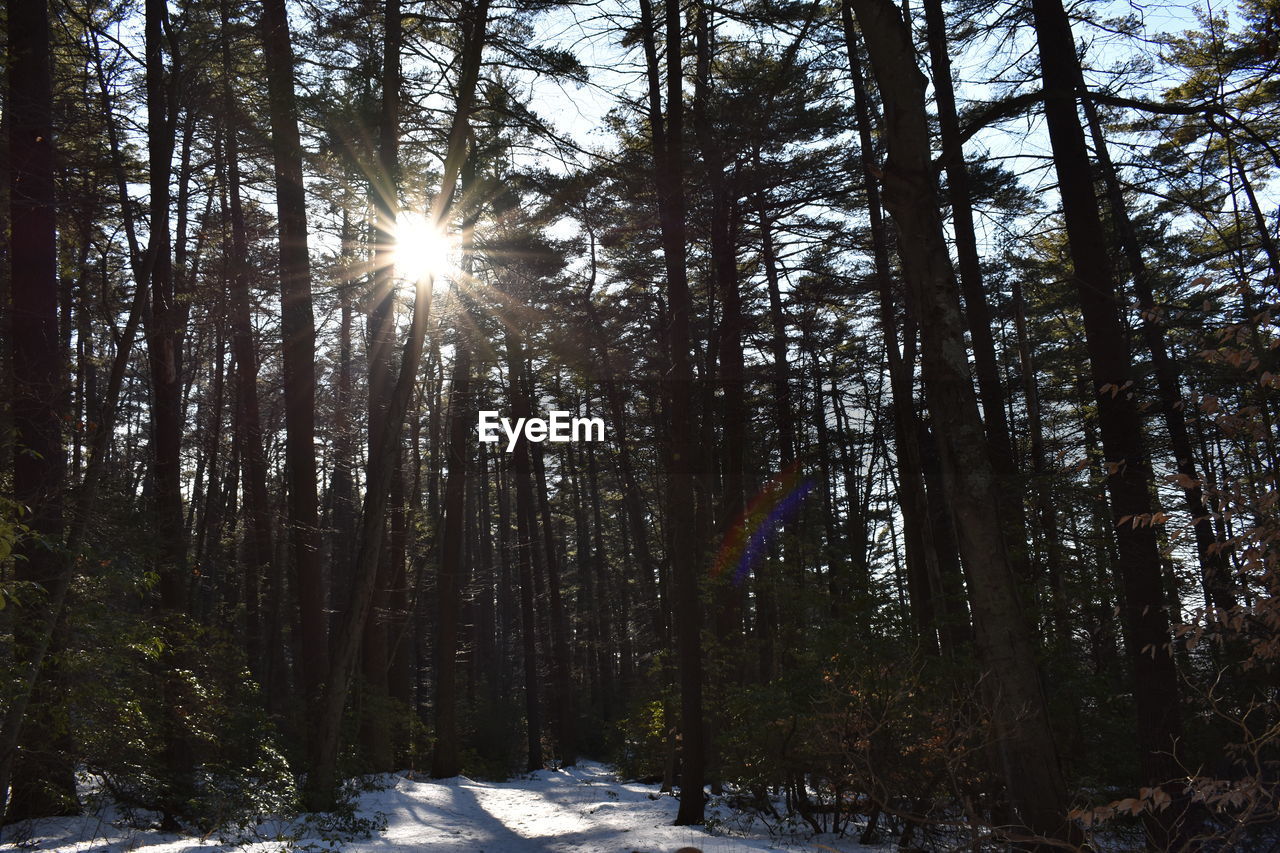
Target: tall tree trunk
column 684, row 456
column 446, row 757
column 163, row 334
column 164, row 337
column 781, row 368
column 521, row 407
column 1128, row 476
column 42, row 779
column 990, row 389
column 297, row 329
column 204, row 547
column 590, row 646
column 488, row 624
column 561, row 664
column 1215, row 574
column 1004, row 644
column 253, row 459
column 399, row 664
column 724, row 264
column 384, row 189
column 1042, row 482
column 342, row 488
column 602, row 604
column 923, row 572
column 836, row 580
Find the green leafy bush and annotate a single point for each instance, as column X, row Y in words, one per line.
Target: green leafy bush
column 171, row 721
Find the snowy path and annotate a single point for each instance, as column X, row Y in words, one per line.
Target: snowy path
column 582, row 810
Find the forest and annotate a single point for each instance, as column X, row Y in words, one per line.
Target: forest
column 925, row 356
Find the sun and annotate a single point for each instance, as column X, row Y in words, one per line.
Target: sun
column 422, row 251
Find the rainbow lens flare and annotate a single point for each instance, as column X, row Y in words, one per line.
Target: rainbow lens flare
column 769, row 511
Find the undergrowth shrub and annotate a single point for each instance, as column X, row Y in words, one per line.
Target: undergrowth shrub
column 644, row 741
column 139, row 691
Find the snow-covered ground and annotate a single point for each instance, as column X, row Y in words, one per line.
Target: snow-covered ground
column 585, row 809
